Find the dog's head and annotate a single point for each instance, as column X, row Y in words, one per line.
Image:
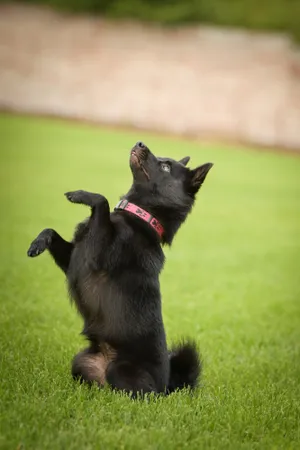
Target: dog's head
column 164, row 186
column 170, row 182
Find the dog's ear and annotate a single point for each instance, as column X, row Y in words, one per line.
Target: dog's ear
column 197, row 177
column 184, row 161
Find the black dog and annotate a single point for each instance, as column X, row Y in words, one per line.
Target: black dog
column 113, row 266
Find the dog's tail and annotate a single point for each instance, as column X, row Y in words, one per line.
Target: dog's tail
column 185, row 366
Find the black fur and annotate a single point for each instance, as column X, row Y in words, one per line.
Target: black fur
column 185, row 366
column 112, row 268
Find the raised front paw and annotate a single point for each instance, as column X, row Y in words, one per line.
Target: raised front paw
column 40, row 243
column 76, row 196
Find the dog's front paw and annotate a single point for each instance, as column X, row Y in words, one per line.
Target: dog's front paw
column 41, row 243
column 37, row 247
column 75, row 196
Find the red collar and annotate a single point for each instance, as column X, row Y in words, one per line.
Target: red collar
column 142, row 214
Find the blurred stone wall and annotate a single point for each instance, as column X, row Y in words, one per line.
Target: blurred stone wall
column 196, row 81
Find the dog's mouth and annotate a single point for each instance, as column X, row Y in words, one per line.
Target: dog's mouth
column 138, row 159
column 134, row 158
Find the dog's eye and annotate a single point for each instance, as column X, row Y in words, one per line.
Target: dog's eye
column 166, row 167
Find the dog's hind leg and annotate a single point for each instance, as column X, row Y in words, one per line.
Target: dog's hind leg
column 128, row 377
column 60, row 249
column 89, row 366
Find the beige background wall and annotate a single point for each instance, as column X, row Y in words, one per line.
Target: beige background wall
column 199, row 81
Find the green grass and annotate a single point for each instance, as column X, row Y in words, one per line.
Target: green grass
column 271, row 15
column 232, row 281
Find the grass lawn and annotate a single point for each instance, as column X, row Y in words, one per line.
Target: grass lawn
column 232, row 281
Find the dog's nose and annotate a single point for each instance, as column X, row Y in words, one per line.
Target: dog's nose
column 140, row 144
